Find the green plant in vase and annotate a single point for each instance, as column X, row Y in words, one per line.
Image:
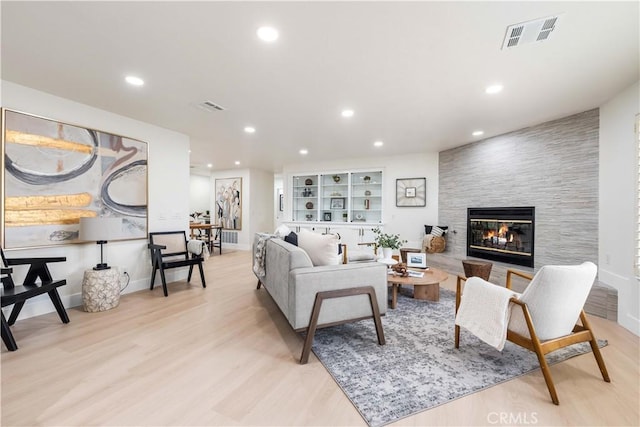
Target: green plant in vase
column 388, row 242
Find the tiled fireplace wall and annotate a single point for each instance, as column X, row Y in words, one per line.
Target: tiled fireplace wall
column 552, row 166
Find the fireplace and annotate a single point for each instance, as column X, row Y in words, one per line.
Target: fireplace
column 501, row 234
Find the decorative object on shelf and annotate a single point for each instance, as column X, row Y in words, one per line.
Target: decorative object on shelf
column 309, row 205
column 359, row 217
column 336, row 178
column 344, row 216
column 336, row 194
column 411, row 192
column 56, row 173
column 308, row 181
column 100, row 230
column 367, row 193
column 308, row 216
column 367, row 179
column 366, row 203
column 326, row 216
column 337, row 203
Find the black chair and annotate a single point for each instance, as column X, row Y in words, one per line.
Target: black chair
column 18, row 295
column 169, row 250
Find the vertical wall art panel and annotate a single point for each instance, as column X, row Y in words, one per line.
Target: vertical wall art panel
column 55, row 173
column 229, row 203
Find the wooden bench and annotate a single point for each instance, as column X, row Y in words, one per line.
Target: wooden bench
column 169, row 250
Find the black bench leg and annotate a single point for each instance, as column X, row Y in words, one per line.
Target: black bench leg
column 15, row 312
column 57, row 303
column 190, row 271
column 7, row 336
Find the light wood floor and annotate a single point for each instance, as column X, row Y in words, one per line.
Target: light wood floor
column 225, row 355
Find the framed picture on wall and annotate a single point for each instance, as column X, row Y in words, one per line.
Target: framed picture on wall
column 411, row 192
column 229, row 203
column 56, row 173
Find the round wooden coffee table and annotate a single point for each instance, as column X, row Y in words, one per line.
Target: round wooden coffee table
column 426, row 287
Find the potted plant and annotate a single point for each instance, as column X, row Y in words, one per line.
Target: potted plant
column 388, row 242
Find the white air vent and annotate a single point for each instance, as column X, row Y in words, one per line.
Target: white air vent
column 530, row 32
column 210, row 106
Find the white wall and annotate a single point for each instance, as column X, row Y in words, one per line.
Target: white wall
column 618, row 208
column 407, row 221
column 168, row 200
column 199, row 193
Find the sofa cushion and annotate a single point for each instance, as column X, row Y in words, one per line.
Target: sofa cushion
column 429, row 228
column 321, row 248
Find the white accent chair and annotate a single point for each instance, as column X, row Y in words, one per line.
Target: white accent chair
column 543, row 318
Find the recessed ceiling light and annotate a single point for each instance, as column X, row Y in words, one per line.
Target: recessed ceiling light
column 378, row 144
column 209, row 165
column 250, row 129
column 237, row 162
column 347, row 113
column 478, row 133
column 135, row 81
column 267, row 34
column 304, row 151
column 494, row 89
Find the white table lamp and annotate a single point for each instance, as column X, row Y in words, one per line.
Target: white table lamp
column 100, row 230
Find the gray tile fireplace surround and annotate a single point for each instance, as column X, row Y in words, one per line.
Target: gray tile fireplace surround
column 552, row 166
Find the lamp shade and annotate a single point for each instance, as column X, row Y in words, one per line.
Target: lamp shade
column 100, row 228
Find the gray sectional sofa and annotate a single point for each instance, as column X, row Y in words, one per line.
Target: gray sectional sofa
column 295, row 283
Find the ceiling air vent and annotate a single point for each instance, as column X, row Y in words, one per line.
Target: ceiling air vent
column 210, row 106
column 529, row 32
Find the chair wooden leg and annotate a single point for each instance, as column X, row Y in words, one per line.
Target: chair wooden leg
column 537, row 348
column 164, row 283
column 595, row 348
column 339, row 293
column 7, row 336
column 204, row 284
column 15, row 312
column 459, row 281
column 57, row 303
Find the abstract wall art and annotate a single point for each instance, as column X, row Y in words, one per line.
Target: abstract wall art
column 229, row 203
column 54, row 173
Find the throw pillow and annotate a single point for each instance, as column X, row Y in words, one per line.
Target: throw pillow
column 321, row 248
column 282, row 231
column 291, row 238
column 437, row 231
column 428, row 228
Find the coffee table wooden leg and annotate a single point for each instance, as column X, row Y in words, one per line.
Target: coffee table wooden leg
column 394, row 295
column 427, row 292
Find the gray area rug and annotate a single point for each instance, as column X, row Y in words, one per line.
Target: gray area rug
column 419, row 368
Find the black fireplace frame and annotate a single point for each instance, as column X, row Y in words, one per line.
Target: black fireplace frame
column 506, row 214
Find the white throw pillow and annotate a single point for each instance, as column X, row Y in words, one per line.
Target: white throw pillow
column 321, row 248
column 437, row 231
column 282, row 231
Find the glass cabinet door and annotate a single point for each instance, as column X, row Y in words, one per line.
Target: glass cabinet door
column 334, row 198
column 305, row 198
column 366, row 197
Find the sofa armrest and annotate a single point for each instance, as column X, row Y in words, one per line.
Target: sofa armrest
column 305, row 283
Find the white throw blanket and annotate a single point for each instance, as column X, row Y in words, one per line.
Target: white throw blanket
column 484, row 311
column 198, row 248
column 260, row 255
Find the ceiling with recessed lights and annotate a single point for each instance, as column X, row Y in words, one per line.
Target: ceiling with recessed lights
column 414, row 75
